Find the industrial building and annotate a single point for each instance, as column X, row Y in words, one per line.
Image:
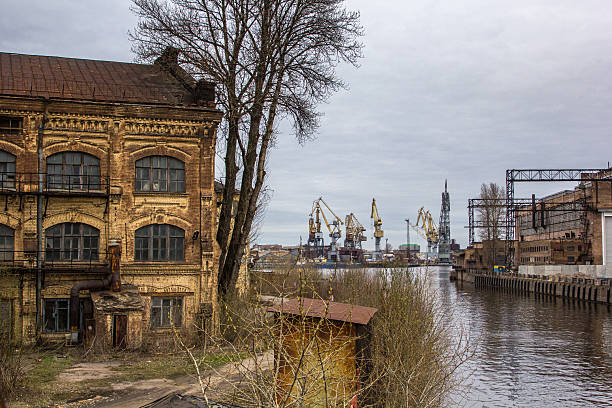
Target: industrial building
column 571, row 227
column 108, row 207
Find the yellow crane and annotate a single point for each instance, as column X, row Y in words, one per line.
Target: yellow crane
column 426, row 228
column 315, row 236
column 378, row 231
column 354, row 232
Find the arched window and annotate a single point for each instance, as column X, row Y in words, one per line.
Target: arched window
column 73, row 171
column 7, row 243
column 71, row 241
column 160, row 173
column 7, row 170
column 159, row 242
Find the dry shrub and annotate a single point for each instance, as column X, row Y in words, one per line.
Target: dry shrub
column 11, row 369
column 415, row 352
column 412, row 359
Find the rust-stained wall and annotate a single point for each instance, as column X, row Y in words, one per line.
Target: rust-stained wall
column 118, row 135
column 322, row 355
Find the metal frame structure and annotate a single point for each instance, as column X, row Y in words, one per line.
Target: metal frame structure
column 513, row 204
column 520, row 205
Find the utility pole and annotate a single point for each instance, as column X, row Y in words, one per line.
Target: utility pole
column 407, row 238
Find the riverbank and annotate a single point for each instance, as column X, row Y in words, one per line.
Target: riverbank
column 572, row 287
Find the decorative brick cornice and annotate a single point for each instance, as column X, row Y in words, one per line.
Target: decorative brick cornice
column 185, row 129
column 78, row 124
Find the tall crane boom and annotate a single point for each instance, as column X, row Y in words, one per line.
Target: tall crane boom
column 354, row 232
column 378, row 231
column 314, row 226
column 426, row 227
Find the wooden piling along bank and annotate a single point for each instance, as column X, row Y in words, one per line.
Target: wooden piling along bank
column 580, row 288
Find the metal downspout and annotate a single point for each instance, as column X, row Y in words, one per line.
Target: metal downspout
column 39, row 221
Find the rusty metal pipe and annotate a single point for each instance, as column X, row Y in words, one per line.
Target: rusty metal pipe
column 112, row 281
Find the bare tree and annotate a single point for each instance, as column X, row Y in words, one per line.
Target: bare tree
column 491, row 215
column 271, row 59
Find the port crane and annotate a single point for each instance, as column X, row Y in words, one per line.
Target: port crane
column 378, row 231
column 315, row 236
column 354, row 232
column 427, row 229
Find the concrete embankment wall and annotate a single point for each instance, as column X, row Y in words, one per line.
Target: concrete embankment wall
column 593, row 290
column 594, row 271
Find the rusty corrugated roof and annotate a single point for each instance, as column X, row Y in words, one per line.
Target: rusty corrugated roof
column 342, row 312
column 82, row 79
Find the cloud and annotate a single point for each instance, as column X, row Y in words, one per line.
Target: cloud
column 457, row 90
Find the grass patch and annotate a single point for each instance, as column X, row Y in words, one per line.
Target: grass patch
column 171, row 366
column 40, row 387
column 46, row 369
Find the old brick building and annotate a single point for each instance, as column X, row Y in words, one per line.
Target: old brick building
column 95, row 154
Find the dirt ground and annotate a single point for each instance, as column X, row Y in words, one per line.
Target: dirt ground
column 135, row 382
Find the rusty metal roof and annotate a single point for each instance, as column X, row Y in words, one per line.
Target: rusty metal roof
column 92, row 80
column 342, row 312
column 127, row 299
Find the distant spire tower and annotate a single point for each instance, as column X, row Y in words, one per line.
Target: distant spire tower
column 444, row 232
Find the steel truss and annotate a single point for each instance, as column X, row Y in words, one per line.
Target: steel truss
column 514, row 205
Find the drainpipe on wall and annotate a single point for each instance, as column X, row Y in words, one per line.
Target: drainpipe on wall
column 111, row 281
column 39, row 221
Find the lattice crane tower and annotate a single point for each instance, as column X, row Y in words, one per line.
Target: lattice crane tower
column 444, row 229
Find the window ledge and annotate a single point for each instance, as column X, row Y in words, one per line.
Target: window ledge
column 160, row 193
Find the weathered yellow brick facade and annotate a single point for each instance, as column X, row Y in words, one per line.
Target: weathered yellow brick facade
column 118, row 133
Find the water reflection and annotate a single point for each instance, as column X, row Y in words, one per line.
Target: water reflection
column 533, row 351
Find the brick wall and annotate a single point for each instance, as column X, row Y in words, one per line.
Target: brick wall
column 118, row 135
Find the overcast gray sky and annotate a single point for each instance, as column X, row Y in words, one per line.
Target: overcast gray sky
column 457, row 90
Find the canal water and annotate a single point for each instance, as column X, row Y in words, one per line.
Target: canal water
column 530, row 350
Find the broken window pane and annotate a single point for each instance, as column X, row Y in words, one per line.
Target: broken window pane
column 166, row 311
column 160, row 174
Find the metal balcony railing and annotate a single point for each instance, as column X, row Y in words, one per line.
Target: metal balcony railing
column 53, row 184
column 52, row 259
